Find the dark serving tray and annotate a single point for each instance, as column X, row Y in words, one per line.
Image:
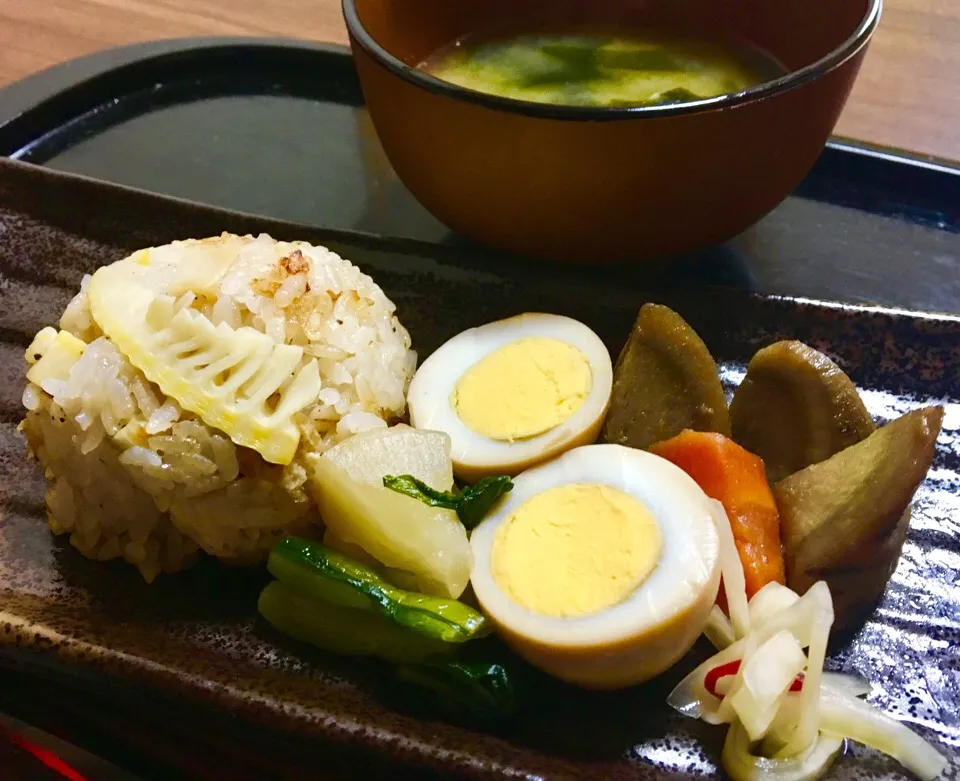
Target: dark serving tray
column 277, row 128
column 182, row 669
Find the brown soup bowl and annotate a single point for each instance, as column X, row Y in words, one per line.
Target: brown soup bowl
column 606, row 184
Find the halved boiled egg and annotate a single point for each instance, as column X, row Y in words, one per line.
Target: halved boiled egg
column 513, row 393
column 599, row 567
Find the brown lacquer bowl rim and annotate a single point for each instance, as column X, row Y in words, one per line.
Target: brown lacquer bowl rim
column 797, row 78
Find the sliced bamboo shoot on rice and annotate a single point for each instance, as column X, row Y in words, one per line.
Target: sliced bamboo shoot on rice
column 237, row 380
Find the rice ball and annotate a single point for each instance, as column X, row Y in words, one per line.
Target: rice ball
column 139, row 464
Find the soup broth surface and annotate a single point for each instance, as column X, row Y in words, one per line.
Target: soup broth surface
column 602, row 70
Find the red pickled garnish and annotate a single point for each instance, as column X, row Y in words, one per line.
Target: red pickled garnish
column 712, row 678
column 797, row 684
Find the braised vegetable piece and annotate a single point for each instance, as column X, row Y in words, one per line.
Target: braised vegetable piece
column 844, row 520
column 320, row 574
column 344, row 630
column 481, row 689
column 397, row 577
column 413, row 545
column 665, row 381
column 796, row 407
column 354, row 551
column 471, row 504
column 728, row 473
column 370, row 455
column 399, row 532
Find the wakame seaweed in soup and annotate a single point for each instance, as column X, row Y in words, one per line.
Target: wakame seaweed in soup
column 602, row 70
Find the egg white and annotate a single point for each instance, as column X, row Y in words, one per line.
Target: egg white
column 686, row 573
column 475, row 455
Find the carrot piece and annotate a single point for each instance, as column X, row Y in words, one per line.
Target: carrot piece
column 737, row 479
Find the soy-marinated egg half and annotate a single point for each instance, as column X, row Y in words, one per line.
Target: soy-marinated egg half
column 514, row 393
column 600, row 567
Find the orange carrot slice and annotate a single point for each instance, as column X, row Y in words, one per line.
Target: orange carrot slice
column 736, row 478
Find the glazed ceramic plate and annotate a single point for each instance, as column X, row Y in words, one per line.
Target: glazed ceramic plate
column 191, row 643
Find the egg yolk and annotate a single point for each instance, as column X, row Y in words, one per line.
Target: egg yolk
column 575, row 550
column 523, row 389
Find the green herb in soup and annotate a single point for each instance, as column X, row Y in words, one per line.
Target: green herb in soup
column 594, row 70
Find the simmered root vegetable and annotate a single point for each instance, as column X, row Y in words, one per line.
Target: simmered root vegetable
column 427, row 544
column 728, row 473
column 370, row 455
column 665, row 381
column 400, row 532
column 845, row 520
column 796, row 407
column 787, row 717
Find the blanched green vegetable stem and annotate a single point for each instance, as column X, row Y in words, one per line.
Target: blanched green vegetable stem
column 321, row 574
column 343, row 630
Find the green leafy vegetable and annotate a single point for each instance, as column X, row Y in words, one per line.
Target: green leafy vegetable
column 324, row 575
column 471, row 504
column 573, row 61
column 483, row 689
column 344, row 630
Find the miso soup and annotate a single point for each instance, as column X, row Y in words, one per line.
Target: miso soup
column 602, row 70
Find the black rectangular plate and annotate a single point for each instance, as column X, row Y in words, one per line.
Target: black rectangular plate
column 277, row 128
column 191, row 645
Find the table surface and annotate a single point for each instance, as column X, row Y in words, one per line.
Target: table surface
column 908, row 95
